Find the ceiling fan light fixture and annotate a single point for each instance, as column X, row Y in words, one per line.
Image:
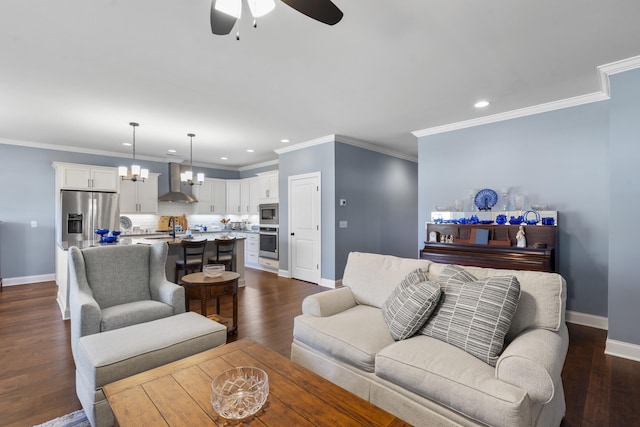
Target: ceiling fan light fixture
column 230, row 7
column 261, row 7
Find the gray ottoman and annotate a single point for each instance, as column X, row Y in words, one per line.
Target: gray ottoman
column 110, row 356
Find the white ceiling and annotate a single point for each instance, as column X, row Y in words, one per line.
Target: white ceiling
column 75, row 72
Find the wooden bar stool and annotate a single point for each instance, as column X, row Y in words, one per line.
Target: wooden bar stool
column 224, row 253
column 192, row 257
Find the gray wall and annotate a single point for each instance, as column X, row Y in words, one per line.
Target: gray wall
column 624, row 202
column 27, row 187
column 558, row 158
column 318, row 158
column 381, row 204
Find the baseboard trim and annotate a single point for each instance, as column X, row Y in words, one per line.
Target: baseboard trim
column 585, row 319
column 25, row 280
column 622, row 349
column 284, row 273
column 332, row 284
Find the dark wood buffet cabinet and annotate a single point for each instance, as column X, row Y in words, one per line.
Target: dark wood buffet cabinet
column 457, row 244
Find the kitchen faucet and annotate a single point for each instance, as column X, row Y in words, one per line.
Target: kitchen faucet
column 172, row 224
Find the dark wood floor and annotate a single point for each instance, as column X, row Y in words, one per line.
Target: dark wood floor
column 37, row 371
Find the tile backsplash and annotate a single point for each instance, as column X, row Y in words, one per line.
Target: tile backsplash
column 149, row 223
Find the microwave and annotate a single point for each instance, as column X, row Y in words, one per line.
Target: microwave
column 269, row 213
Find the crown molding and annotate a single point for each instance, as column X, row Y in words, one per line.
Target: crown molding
column 514, row 114
column 259, row 165
column 306, row 144
column 168, row 159
column 372, row 147
column 604, row 72
column 346, row 140
column 81, row 150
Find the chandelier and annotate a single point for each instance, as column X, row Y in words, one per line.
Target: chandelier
column 136, row 173
column 187, row 176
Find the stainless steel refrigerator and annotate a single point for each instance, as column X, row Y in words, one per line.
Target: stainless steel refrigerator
column 83, row 212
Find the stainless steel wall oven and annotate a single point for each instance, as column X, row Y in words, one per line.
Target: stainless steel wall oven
column 269, row 242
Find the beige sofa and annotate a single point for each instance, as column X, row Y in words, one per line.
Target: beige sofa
column 342, row 336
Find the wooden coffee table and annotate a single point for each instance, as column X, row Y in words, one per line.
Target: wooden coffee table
column 197, row 285
column 178, row 394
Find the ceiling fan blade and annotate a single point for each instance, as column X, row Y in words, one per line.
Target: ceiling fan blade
column 221, row 23
column 320, row 10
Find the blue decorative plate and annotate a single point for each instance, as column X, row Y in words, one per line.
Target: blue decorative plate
column 486, row 199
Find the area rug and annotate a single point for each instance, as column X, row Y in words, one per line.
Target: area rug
column 74, row 419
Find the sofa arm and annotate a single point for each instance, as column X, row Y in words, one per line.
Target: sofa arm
column 328, row 303
column 84, row 309
column 533, row 361
column 169, row 293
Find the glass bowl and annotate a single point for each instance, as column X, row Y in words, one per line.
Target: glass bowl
column 239, row 392
column 213, row 270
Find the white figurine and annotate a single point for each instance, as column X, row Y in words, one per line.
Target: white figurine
column 522, row 241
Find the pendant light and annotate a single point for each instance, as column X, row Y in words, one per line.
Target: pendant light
column 136, row 173
column 187, row 177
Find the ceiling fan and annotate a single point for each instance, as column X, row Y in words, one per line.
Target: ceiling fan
column 225, row 13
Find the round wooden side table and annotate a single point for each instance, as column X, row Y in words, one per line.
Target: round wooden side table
column 197, row 285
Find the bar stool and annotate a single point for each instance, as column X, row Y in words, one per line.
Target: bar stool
column 192, row 257
column 224, row 253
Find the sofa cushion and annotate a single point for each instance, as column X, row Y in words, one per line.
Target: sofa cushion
column 410, row 304
column 455, row 379
column 475, row 315
column 542, row 297
column 373, row 277
column 119, row 316
column 353, row 336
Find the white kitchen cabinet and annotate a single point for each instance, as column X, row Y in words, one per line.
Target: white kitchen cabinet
column 212, row 196
column 268, row 182
column 249, row 195
column 234, row 205
column 138, row 196
column 73, row 176
column 252, row 249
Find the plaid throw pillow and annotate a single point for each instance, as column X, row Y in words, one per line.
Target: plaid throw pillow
column 410, row 304
column 475, row 315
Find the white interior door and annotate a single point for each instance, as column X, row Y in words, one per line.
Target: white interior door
column 304, row 227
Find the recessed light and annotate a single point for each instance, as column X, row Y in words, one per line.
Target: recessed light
column 126, row 144
column 481, row 104
column 284, row 141
column 171, row 151
column 249, row 150
column 224, row 158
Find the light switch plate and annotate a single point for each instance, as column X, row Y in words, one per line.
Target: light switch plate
column 343, row 224
column 34, row 224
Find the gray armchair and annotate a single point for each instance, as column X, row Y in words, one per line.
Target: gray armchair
column 116, row 286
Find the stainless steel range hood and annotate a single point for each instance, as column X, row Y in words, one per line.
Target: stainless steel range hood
column 175, row 193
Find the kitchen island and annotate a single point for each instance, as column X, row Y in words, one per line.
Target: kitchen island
column 175, row 253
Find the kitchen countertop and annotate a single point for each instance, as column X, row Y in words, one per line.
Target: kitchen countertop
column 146, row 239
